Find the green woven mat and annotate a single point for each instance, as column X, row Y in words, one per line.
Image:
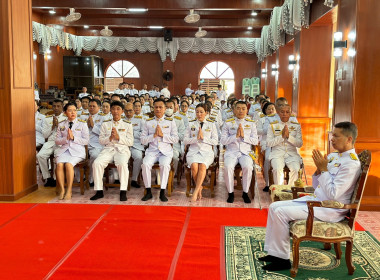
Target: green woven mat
column 244, row 245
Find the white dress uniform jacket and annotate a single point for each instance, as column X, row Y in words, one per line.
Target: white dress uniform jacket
column 188, row 91
column 39, row 120
column 337, row 183
column 76, row 146
column 221, row 94
column 84, row 115
column 201, row 151
column 254, row 109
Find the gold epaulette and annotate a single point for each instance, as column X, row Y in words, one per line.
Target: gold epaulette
column 178, row 118
column 353, row 156
column 230, row 120
column 292, row 115
column 85, row 114
column 249, row 120
column 126, row 121
column 182, row 113
column 137, row 117
column 271, row 115
column 229, row 111
column 294, row 122
column 149, row 119
column 262, row 115
column 274, row 122
column 210, row 120
column 168, row 119
column 102, row 114
column 80, row 120
column 216, row 107
column 48, row 116
column 193, row 120
column 107, row 120
column 64, row 120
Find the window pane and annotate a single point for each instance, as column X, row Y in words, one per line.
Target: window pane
column 205, row 74
column 133, row 73
column 228, row 74
column 221, row 68
column 111, row 73
column 212, row 68
column 126, row 67
column 117, row 65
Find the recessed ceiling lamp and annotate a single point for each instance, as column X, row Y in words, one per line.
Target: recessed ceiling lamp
column 73, row 16
column 155, row 27
column 249, row 27
column 191, row 18
column 106, row 32
column 52, row 12
column 137, row 10
column 200, row 33
column 254, row 13
column 86, row 26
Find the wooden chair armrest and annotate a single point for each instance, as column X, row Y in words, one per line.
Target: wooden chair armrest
column 296, row 190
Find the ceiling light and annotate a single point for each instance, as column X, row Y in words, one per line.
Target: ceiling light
column 86, row 26
column 338, row 36
column 254, row 13
column 106, row 32
column 200, row 33
column 155, row 27
column 73, row 16
column 52, row 12
column 351, row 52
column 48, row 56
column 249, row 27
column 137, row 10
column 48, row 51
column 192, row 18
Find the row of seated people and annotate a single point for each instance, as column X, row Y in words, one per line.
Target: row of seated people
column 233, row 128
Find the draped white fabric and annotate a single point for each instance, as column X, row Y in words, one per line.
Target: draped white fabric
column 292, row 16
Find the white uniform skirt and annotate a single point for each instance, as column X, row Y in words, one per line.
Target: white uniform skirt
column 66, row 157
column 206, row 159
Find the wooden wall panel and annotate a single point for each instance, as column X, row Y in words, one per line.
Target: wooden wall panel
column 22, row 68
column 285, row 83
column 314, row 134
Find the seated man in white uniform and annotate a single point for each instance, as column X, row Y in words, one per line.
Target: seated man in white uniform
column 238, row 135
column 83, row 93
column 188, row 90
column 117, row 136
column 334, row 179
column 284, row 137
column 221, row 93
column 256, row 106
column 39, row 120
column 85, row 103
column 137, row 149
column 160, row 134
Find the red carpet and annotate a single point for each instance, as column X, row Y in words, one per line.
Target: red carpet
column 56, row 241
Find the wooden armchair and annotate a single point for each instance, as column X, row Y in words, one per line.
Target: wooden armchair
column 302, row 230
column 212, row 169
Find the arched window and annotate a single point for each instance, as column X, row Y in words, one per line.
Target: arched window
column 117, row 71
column 215, row 73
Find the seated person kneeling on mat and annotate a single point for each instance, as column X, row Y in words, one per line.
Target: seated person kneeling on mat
column 334, row 179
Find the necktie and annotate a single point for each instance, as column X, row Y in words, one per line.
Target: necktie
column 70, row 125
column 201, row 124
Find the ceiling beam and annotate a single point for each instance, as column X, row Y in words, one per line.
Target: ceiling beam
column 159, row 4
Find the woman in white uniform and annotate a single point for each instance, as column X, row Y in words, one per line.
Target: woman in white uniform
column 72, row 136
column 201, row 135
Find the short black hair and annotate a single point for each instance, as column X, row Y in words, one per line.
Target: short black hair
column 265, row 107
column 170, row 101
column 115, row 94
column 205, row 106
column 159, row 100
column 137, row 101
column 68, row 105
column 97, row 101
column 348, row 129
column 184, row 101
column 241, row 102
column 107, row 101
column 85, row 97
column 281, row 100
column 219, row 86
column 106, row 93
column 117, row 103
column 58, row 101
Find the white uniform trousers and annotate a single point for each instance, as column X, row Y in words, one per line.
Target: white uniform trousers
column 94, row 153
column 137, row 156
column 43, row 157
column 246, row 164
column 108, row 156
column 278, row 165
column 146, row 168
column 267, row 166
column 277, row 240
column 176, row 155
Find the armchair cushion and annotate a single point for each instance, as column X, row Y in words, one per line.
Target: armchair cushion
column 321, row 229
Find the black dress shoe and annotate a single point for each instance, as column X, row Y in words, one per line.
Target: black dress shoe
column 163, row 198
column 148, row 195
column 50, row 182
column 269, row 258
column 123, row 196
column 135, row 185
column 231, row 198
column 117, row 182
column 246, row 198
column 92, row 184
column 99, row 194
column 278, row 265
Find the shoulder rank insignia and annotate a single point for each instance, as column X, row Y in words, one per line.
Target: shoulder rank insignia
column 271, row 115
column 82, row 120
column 168, row 119
column 149, row 119
column 102, row 114
column 230, row 120
column 210, row 120
column 85, row 114
column 274, row 122
column 126, row 121
column 353, row 156
column 64, row 120
column 294, row 122
column 48, row 116
column 193, row 120
column 262, row 115
column 292, row 115
column 107, row 120
column 182, row 113
column 137, row 117
column 178, row 118
column 331, row 159
column 337, row 164
column 249, row 120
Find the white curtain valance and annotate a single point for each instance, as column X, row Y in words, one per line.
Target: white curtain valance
column 292, row 16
